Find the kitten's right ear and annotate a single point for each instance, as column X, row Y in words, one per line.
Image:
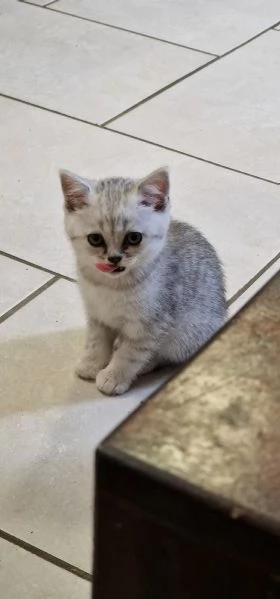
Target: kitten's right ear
column 75, row 190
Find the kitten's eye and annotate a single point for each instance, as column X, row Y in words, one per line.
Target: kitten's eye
column 133, row 238
column 95, row 239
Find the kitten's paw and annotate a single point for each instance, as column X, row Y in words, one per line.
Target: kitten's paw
column 108, row 381
column 87, row 370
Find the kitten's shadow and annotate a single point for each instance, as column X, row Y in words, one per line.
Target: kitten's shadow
column 37, row 373
column 50, row 424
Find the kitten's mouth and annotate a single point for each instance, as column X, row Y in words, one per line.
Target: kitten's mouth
column 109, row 268
column 118, row 269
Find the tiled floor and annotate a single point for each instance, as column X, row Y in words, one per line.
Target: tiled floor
column 104, row 88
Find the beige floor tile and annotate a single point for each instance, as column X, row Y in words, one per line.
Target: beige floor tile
column 227, row 113
column 39, row 2
column 8, row 6
column 26, row 576
column 254, row 288
column 50, row 424
column 239, row 214
column 215, row 26
column 17, row 282
column 82, row 69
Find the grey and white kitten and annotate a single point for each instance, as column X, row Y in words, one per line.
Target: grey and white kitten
column 152, row 287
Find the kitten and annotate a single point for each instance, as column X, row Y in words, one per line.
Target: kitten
column 152, row 287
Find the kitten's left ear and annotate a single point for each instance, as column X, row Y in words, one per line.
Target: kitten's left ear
column 154, row 190
column 75, row 190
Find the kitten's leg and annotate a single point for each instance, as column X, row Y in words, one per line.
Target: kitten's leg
column 97, row 352
column 128, row 360
column 153, row 364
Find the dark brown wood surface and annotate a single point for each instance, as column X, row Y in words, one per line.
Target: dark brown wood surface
column 188, row 488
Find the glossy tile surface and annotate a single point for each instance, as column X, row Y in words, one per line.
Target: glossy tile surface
column 82, row 69
column 227, row 113
column 254, row 288
column 214, row 27
column 38, row 2
column 26, row 576
column 17, row 282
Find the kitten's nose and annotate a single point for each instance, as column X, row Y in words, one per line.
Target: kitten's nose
column 114, row 259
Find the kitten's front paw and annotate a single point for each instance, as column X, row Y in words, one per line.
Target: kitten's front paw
column 109, row 382
column 87, row 370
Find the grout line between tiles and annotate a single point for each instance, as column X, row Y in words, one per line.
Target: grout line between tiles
column 158, row 92
column 202, row 67
column 173, row 83
column 37, row 266
column 158, row 39
column 118, row 28
column 130, row 136
column 158, row 145
column 29, row 298
column 38, row 5
column 51, row 110
column 245, row 287
column 49, row 3
column 48, row 557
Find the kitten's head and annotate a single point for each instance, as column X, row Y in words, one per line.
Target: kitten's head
column 117, row 226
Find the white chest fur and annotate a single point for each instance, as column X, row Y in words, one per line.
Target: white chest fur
column 111, row 307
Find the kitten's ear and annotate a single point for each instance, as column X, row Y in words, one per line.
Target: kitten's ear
column 75, row 190
column 154, row 190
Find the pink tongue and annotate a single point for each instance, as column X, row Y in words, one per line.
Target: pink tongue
column 105, row 267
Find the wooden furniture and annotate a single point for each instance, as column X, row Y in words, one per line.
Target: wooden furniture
column 188, row 488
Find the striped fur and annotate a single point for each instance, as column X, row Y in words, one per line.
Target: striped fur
column 167, row 302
